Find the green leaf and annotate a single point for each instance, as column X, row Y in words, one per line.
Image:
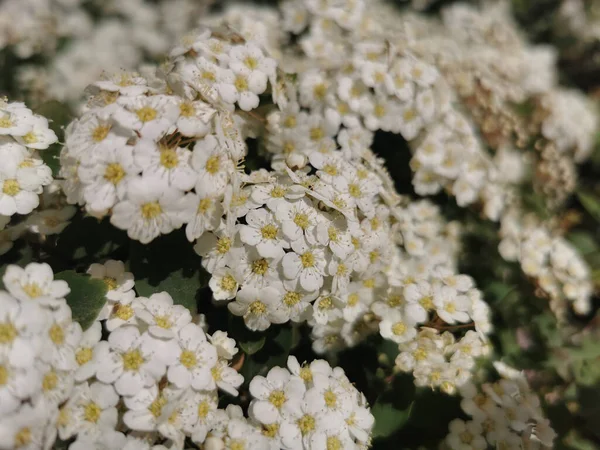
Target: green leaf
column 583, row 241
column 87, row 296
column 590, row 202
column 278, row 341
column 251, row 347
column 170, row 264
column 388, row 418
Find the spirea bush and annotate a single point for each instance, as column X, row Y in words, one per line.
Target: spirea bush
column 321, row 225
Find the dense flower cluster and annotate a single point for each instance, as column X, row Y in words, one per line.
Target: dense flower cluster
column 505, row 414
column 154, row 379
column 38, row 360
column 310, row 406
column 549, row 259
column 26, row 185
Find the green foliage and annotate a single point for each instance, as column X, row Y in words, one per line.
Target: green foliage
column 590, row 202
column 87, row 296
column 169, row 264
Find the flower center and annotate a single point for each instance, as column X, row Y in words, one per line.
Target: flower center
column 306, row 423
column 50, row 381
column 354, row 190
column 333, row 443
column 450, row 307
column 123, row 312
column 3, row 375
column 114, row 173
column 132, row 360
column 269, row 231
column 30, row 138
column 409, row 115
column 151, row 210
column 308, row 260
column 204, row 205
column 277, row 192
column 326, row 303
column 257, row 308
column 466, row 437
column 237, row 444
column 186, row 109
column 260, row 266
column 146, row 113
column 203, row 409
column 111, row 283
column 320, row 90
column 168, row 158
column 163, row 322
column 11, row 187
column 353, row 299
column 399, row 328
column 317, row 133
column 84, row 355
column 341, row 270
column 188, row 359
column 394, row 301
column 330, row 398
column 426, row 302
column 5, row 122
column 26, row 163
column 277, row 399
column 379, row 111
column 23, row 437
column 251, row 63
column 270, row 430
column 241, row 84
column 420, row 354
column 213, row 165
column 56, row 334
column 330, row 169
column 302, row 220
column 228, row 283
column 291, row 298
column 100, row 132
column 8, row 333
column 156, row 406
column 306, row 374
column 92, row 412
column 290, row 122
column 223, row 245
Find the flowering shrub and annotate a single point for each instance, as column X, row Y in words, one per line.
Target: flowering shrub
column 323, row 225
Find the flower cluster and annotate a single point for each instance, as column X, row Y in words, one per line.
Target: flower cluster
column 310, row 406
column 38, row 355
column 549, row 259
column 25, row 180
column 504, row 414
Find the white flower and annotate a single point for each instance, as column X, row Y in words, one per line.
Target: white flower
column 225, row 378
column 263, row 232
column 39, row 136
column 21, row 325
column 451, row 306
column 151, row 209
column 131, row 364
column 242, row 85
column 106, row 176
column 163, row 318
column 87, row 352
column 206, row 213
column 195, row 360
column 36, row 283
column 250, row 57
column 112, row 272
column 213, row 166
column 147, row 409
column 397, row 328
column 305, row 265
column 297, row 218
column 259, row 307
column 195, row 118
column 19, row 189
column 90, row 410
column 63, row 337
column 150, row 116
column 197, row 414
column 465, row 435
column 50, row 221
column 169, row 164
column 26, row 429
column 275, row 395
column 224, row 283
column 226, row 347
